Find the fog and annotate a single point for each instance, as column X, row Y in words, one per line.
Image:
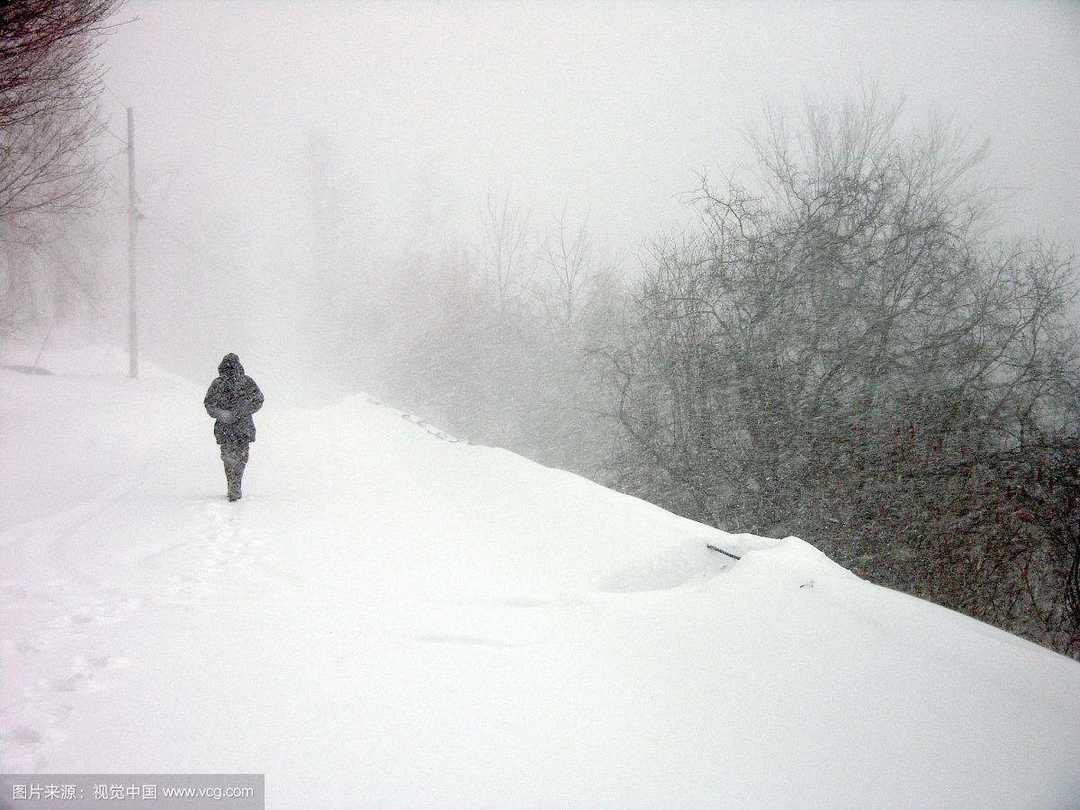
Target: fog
column 417, row 111
column 746, row 266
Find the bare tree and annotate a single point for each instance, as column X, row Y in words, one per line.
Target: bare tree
column 568, row 254
column 504, row 250
column 49, row 83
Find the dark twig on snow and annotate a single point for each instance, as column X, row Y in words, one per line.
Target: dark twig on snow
column 725, row 553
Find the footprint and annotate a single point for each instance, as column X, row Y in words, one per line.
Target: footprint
column 27, row 744
column 72, row 683
column 83, row 677
column 24, row 735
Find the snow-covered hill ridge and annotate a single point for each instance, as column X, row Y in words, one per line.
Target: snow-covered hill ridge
column 389, row 619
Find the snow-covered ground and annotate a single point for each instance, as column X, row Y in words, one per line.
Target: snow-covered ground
column 392, row 619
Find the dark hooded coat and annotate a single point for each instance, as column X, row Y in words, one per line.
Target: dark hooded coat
column 233, row 394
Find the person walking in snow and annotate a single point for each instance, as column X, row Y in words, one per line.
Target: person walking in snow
column 231, row 400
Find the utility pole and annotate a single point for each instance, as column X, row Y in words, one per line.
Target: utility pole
column 133, row 229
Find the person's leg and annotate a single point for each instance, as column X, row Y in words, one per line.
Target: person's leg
column 227, row 461
column 241, row 462
column 235, row 457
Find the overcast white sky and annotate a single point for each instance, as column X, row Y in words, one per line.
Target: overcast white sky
column 611, row 107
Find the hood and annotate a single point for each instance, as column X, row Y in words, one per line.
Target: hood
column 230, row 366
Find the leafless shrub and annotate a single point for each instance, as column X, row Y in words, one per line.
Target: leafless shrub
column 842, row 353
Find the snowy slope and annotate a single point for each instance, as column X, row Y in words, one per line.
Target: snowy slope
column 391, row 619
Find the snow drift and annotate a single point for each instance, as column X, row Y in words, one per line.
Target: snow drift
column 392, row 618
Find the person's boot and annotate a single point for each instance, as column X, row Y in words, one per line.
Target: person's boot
column 238, row 477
